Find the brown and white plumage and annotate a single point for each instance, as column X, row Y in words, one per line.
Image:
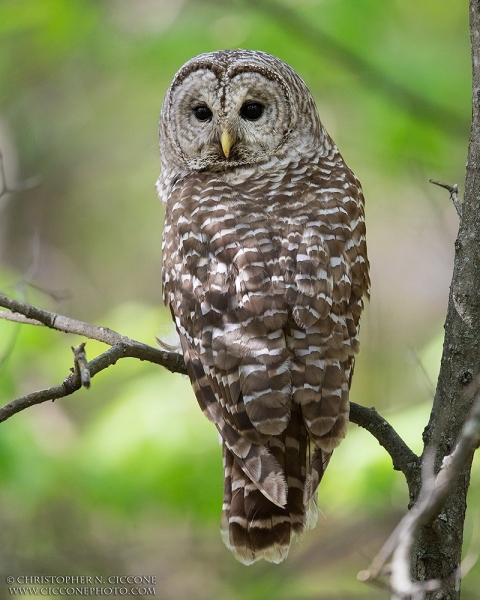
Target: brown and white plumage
column 265, row 272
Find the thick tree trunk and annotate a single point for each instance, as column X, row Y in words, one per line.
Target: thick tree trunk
column 437, row 551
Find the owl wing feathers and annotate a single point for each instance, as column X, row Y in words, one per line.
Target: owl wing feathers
column 268, row 321
column 218, row 294
column 255, row 460
column 251, row 527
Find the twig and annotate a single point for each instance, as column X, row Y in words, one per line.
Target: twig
column 73, row 383
column 61, row 323
column 403, row 458
column 453, row 189
column 432, row 497
column 81, row 365
column 170, row 360
column 18, row 318
column 122, row 346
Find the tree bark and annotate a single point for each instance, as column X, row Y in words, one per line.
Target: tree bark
column 437, row 551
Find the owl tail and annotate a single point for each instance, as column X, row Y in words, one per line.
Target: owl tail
column 252, row 526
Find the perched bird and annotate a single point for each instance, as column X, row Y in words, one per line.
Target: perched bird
column 265, row 272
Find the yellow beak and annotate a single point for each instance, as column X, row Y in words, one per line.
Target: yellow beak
column 226, row 142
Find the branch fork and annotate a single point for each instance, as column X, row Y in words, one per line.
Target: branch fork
column 453, row 189
column 431, row 499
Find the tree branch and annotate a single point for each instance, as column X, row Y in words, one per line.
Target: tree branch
column 61, row 323
column 37, row 316
column 122, row 346
column 171, row 361
column 431, row 499
column 453, row 189
column 403, row 458
column 73, row 382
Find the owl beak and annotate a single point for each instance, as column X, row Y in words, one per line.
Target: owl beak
column 226, row 142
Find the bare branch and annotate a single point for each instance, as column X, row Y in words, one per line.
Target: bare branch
column 81, row 365
column 18, row 318
column 403, row 458
column 61, row 323
column 170, row 360
column 72, row 383
column 122, row 347
column 453, row 189
column 432, row 497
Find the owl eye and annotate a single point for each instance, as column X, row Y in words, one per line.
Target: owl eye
column 252, row 111
column 202, row 112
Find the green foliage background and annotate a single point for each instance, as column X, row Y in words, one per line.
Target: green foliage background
column 126, row 478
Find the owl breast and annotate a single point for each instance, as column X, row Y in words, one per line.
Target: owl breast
column 254, row 266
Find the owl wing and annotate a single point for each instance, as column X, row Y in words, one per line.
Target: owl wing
column 217, row 281
column 331, row 282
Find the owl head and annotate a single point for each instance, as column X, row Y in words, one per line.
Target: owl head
column 234, row 108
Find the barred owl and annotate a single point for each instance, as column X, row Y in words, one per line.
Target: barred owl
column 265, row 272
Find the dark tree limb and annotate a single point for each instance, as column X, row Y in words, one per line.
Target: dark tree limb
column 403, row 458
column 73, row 382
column 70, row 384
